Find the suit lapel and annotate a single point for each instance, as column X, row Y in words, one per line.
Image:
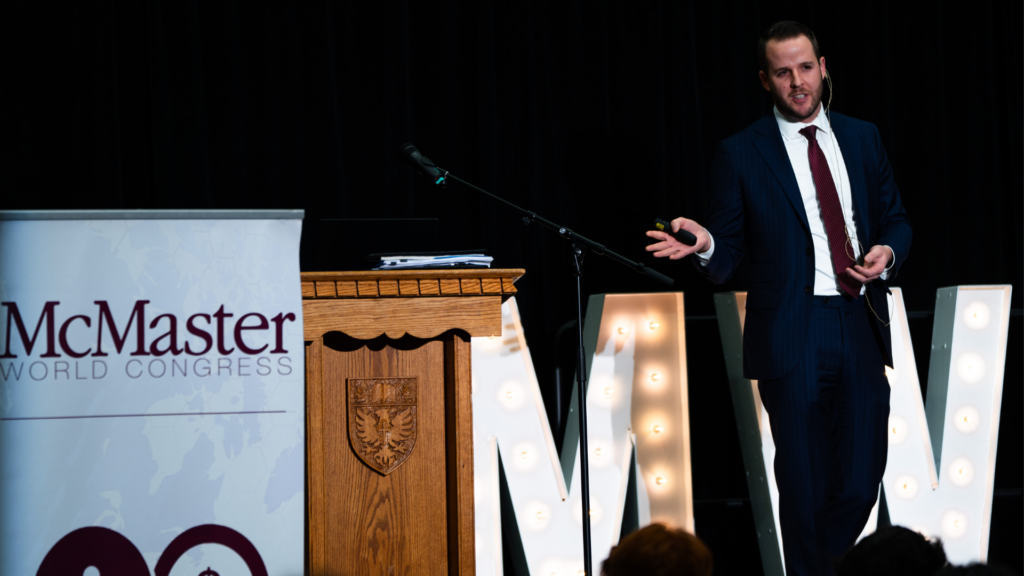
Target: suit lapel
column 853, row 158
column 771, row 148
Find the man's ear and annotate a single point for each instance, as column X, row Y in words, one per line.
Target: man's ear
column 821, row 64
column 764, row 80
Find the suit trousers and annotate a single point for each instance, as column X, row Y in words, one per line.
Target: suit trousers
column 829, row 418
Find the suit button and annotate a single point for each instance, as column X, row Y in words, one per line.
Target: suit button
column 807, row 289
column 808, row 251
column 825, row 301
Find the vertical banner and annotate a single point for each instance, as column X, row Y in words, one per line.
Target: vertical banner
column 151, row 393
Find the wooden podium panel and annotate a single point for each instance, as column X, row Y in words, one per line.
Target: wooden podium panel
column 385, row 518
column 417, row 516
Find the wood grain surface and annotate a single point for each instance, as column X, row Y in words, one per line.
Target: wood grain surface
column 375, row 524
column 429, row 287
column 450, row 286
column 347, row 289
column 388, row 287
column 513, row 273
column 459, row 447
column 420, row 317
column 325, row 290
column 419, row 519
column 315, row 456
column 410, row 283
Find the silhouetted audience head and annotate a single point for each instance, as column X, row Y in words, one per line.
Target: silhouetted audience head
column 895, row 551
column 657, row 550
column 974, row 570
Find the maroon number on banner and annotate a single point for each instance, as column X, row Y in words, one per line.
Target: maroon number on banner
column 210, row 534
column 108, row 551
column 114, row 555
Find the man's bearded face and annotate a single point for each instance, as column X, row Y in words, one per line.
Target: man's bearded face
column 794, row 78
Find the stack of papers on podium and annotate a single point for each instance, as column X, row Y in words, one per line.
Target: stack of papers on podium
column 432, row 260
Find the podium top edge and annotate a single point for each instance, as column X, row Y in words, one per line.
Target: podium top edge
column 8, row 215
column 413, row 274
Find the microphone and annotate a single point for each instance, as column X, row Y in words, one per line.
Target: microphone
column 411, row 155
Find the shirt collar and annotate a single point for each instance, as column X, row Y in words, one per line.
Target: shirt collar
column 791, row 130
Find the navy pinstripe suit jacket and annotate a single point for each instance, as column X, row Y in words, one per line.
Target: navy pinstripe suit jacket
column 757, row 212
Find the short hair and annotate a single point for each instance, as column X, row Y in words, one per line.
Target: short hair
column 657, row 550
column 893, row 551
column 780, row 31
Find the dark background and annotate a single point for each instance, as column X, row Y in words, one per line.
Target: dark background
column 597, row 115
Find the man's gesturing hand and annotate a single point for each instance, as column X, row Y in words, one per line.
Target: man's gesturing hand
column 674, row 249
column 875, row 262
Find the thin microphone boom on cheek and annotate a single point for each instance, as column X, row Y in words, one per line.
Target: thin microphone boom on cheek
column 849, row 241
column 828, row 105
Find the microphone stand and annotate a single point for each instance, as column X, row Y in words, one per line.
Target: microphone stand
column 579, row 246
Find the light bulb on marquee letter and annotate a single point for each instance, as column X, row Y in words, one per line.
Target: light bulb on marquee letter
column 655, row 380
column 654, row 325
column 596, row 512
column 976, row 315
column 906, row 487
column 525, row 456
column 954, row 524
column 602, row 390
column 538, row 515
column 897, row 430
column 961, row 472
column 970, row 367
column 511, row 395
column 601, row 453
column 967, row 419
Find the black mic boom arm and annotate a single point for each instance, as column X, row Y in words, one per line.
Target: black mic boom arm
column 580, row 241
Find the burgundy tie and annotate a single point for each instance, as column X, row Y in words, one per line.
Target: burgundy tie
column 831, row 212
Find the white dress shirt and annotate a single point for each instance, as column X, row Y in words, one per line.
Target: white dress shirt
column 825, row 283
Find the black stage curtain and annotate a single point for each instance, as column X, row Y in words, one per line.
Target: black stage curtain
column 598, row 115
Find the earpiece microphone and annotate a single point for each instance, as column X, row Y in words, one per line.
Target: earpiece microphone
column 849, row 241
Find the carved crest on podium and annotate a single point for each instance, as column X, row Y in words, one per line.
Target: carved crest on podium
column 382, row 420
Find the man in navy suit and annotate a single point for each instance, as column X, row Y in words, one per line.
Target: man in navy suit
column 809, row 198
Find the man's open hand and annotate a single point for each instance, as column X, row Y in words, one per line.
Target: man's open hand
column 875, row 262
column 674, row 249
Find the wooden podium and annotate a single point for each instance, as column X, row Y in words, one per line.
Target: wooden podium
column 389, row 416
